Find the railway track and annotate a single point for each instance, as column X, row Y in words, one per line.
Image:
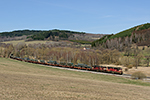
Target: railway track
column 87, row 71
column 94, row 72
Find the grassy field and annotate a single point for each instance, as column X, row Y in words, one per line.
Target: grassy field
column 43, row 42
column 21, row 80
column 14, row 42
column 28, row 42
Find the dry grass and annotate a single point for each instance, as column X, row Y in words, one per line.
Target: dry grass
column 14, row 42
column 28, row 42
column 20, row 80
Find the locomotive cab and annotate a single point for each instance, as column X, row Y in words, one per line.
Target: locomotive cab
column 118, row 70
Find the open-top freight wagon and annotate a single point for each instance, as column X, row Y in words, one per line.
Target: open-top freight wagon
column 82, row 66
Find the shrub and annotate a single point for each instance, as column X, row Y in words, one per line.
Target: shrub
column 138, row 75
column 126, row 69
column 129, row 66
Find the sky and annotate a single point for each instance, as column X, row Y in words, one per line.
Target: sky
column 90, row 16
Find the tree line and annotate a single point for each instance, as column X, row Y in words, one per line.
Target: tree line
column 131, row 57
column 39, row 34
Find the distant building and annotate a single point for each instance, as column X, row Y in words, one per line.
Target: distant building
column 85, row 48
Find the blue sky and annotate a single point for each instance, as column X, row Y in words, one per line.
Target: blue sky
column 91, row 16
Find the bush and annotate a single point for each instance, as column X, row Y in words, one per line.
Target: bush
column 126, row 69
column 138, row 75
column 129, row 66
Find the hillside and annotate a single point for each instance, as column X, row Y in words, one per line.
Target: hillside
column 30, row 81
column 55, row 35
column 145, row 35
column 38, row 34
column 125, row 38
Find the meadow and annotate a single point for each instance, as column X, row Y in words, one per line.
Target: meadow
column 21, row 80
column 28, row 42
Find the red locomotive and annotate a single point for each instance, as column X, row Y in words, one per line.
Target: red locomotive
column 116, row 70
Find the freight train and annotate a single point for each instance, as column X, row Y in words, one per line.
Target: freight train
column 107, row 69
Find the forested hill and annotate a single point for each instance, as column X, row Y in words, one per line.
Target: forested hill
column 30, row 35
column 36, row 33
column 54, row 34
column 139, row 34
column 19, row 33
